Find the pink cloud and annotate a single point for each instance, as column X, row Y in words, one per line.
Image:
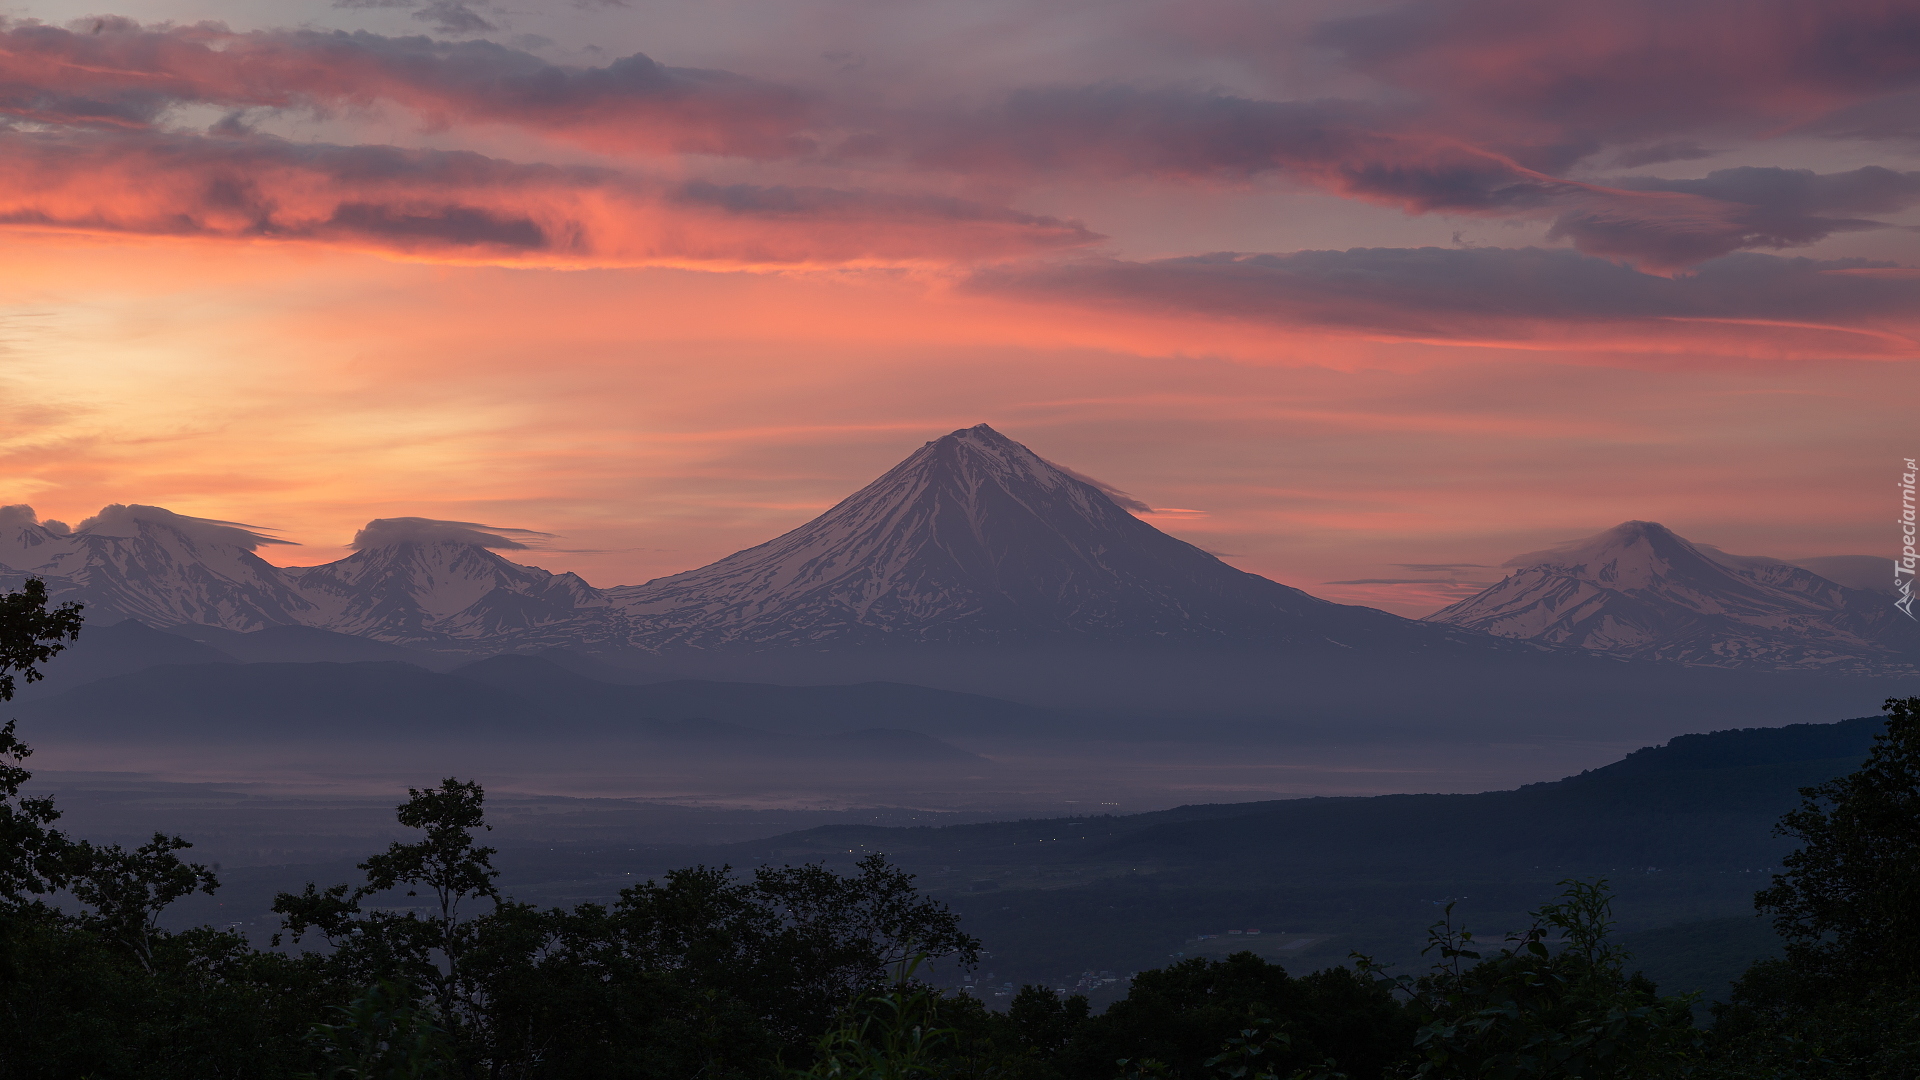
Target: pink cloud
column 469, row 207
column 1566, row 79
column 1483, row 141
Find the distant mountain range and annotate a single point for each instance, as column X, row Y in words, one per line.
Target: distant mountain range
column 1639, row 590
column 411, row 581
column 976, row 565
column 973, row 540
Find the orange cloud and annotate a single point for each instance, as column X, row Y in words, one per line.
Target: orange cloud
column 465, row 207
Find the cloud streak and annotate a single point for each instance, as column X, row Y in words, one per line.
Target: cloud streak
column 385, row 532
column 466, row 206
column 1478, row 294
column 119, row 73
column 1568, row 79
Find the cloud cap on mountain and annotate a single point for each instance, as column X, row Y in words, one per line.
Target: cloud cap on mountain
column 20, row 515
column 383, row 532
column 125, row 519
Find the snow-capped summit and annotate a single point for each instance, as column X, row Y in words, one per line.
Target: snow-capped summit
column 27, row 542
column 1640, row 590
column 975, row 539
column 148, row 563
column 421, row 580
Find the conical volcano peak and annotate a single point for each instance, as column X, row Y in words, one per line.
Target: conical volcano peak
column 982, row 432
column 984, row 439
column 972, row 539
column 981, row 447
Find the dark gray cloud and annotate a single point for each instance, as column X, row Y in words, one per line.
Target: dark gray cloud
column 1659, row 153
column 1466, row 292
column 1766, row 207
column 1386, row 156
column 119, row 73
column 1574, row 78
column 454, row 17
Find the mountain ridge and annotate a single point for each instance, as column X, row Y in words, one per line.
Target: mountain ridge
column 972, row 564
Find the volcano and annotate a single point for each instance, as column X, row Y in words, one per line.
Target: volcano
column 1641, row 591
column 976, row 540
column 151, row 564
column 420, row 581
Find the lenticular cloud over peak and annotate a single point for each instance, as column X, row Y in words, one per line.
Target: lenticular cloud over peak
column 384, row 532
column 125, row 519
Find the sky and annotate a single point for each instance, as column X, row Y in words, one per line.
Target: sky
column 1366, row 297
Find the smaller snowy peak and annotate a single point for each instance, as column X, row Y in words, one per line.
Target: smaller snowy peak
column 1639, row 589
column 26, row 542
column 1631, row 555
column 422, row 580
column 164, row 568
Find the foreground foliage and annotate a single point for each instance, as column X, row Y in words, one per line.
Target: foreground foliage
column 427, row 970
column 1844, row 1001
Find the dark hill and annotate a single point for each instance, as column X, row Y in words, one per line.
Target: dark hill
column 388, row 701
column 305, row 645
column 106, row 650
column 1683, row 831
column 794, row 710
column 276, row 701
column 1749, row 746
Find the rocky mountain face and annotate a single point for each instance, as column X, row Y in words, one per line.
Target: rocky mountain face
column 975, row 539
column 1639, row 590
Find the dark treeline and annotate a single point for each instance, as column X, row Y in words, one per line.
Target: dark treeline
column 425, row 969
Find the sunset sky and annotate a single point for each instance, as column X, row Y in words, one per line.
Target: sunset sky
column 1352, row 291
